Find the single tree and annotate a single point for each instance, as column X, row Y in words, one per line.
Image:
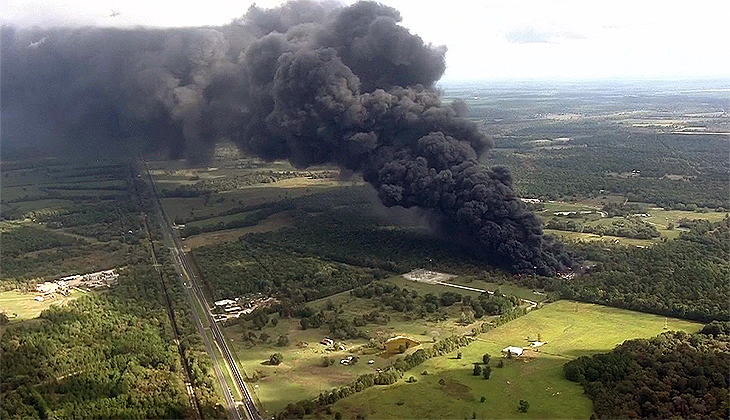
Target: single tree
column 477, row 370
column 282, row 341
column 338, row 416
column 500, row 364
column 485, row 358
column 458, row 355
column 487, row 372
column 276, row 359
column 524, row 406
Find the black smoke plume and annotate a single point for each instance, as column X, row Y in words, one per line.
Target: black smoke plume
column 310, row 82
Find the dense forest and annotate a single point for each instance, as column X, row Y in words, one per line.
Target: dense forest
column 674, row 375
column 29, row 238
column 685, row 277
column 236, row 268
column 635, row 165
column 340, row 240
column 106, row 355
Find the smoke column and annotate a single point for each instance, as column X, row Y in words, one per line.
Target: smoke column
column 310, row 82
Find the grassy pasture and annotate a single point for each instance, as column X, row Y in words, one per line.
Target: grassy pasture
column 661, row 218
column 26, row 307
column 15, row 193
column 587, row 237
column 302, row 374
column 37, row 205
column 571, row 329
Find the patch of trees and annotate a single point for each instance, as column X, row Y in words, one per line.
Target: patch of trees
column 258, row 177
column 105, row 221
column 251, row 219
column 184, row 191
column 684, row 278
column 627, row 228
column 339, row 327
column 404, row 300
column 674, row 375
column 344, row 225
column 237, row 268
column 616, row 209
column 29, row 238
column 102, row 356
column 586, row 171
column 276, row 359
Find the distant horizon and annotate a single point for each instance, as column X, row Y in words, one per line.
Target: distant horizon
column 588, row 79
column 565, row 40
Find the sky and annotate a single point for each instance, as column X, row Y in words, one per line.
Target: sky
column 486, row 40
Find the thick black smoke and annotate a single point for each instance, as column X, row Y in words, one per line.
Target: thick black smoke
column 308, row 82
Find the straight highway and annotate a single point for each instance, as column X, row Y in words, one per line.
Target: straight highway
column 195, row 293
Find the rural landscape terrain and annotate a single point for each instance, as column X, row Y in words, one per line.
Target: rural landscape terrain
column 292, row 216
column 307, row 265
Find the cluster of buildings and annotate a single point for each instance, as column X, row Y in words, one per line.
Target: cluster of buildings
column 49, row 289
column 233, row 308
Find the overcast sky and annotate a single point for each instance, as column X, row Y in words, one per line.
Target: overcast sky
column 486, row 39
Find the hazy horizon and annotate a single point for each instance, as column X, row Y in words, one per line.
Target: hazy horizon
column 486, row 40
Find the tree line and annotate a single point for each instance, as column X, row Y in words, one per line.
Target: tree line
column 683, row 278
column 674, row 375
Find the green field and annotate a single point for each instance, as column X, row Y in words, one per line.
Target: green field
column 588, row 237
column 301, row 374
column 570, row 329
column 659, row 218
column 19, row 306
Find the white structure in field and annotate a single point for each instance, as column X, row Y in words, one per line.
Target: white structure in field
column 516, row 351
